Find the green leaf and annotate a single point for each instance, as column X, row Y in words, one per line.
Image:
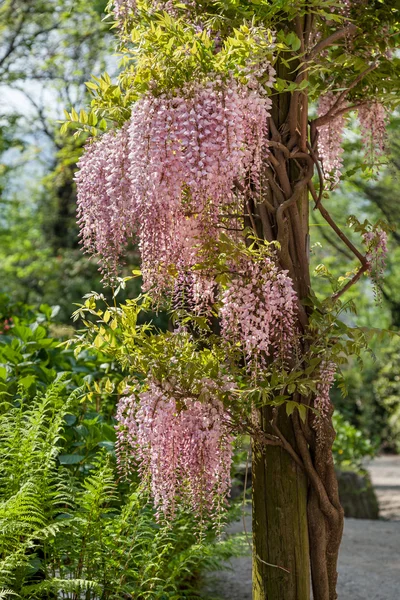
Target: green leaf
column 70, row 459
column 91, row 85
column 70, row 419
column 302, row 412
column 64, row 128
column 290, row 406
column 107, row 445
column 27, row 381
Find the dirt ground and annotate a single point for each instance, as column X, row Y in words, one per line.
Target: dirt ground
column 369, row 561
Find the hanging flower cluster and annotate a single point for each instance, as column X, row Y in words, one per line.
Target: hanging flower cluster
column 330, row 139
column 322, row 400
column 106, row 211
column 193, row 293
column 377, row 250
column 373, row 121
column 187, row 150
column 259, row 310
column 170, row 174
column 122, row 9
column 169, row 5
column 183, row 446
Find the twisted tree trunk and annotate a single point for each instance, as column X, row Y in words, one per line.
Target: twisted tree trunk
column 281, row 564
column 297, row 517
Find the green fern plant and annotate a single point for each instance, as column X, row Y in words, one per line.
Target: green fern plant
column 73, row 534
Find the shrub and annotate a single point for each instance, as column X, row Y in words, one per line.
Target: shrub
column 350, row 445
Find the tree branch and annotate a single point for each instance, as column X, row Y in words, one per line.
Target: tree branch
column 325, row 504
column 338, row 247
column 329, row 41
column 325, row 119
column 336, row 228
column 356, row 81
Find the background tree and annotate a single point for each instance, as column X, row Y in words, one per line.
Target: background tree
column 48, row 51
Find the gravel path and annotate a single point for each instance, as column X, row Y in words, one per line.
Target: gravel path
column 369, row 561
column 385, row 476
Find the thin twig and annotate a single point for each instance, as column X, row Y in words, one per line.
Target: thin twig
column 343, row 94
column 271, row 565
column 325, row 119
column 351, row 282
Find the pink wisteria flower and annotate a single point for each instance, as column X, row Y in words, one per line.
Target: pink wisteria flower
column 377, row 250
column 187, row 150
column 106, row 210
column 122, row 9
column 182, row 445
column 373, row 119
column 330, row 140
column 170, row 176
column 259, row 309
column 322, row 401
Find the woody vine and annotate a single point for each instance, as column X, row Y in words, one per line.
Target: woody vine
column 209, row 153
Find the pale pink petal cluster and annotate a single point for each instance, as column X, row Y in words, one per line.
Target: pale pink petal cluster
column 123, row 9
column 105, row 207
column 330, row 139
column 169, row 5
column 259, row 310
column 182, row 444
column 187, row 150
column 322, row 401
column 377, row 251
column 373, row 123
column 170, row 176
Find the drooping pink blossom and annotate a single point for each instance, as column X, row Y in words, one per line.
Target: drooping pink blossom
column 322, row 402
column 182, row 444
column 373, row 119
column 194, row 292
column 170, row 174
column 122, row 9
column 187, row 151
column 330, row 139
column 377, row 250
column 105, row 206
column 259, row 310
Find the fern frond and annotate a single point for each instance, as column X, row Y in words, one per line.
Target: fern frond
column 7, row 594
column 59, row 585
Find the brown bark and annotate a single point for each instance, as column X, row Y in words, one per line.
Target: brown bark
column 297, row 517
column 280, row 535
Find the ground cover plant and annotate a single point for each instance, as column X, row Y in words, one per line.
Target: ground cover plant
column 210, row 154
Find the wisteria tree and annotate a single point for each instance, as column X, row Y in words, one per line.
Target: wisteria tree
column 222, row 132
